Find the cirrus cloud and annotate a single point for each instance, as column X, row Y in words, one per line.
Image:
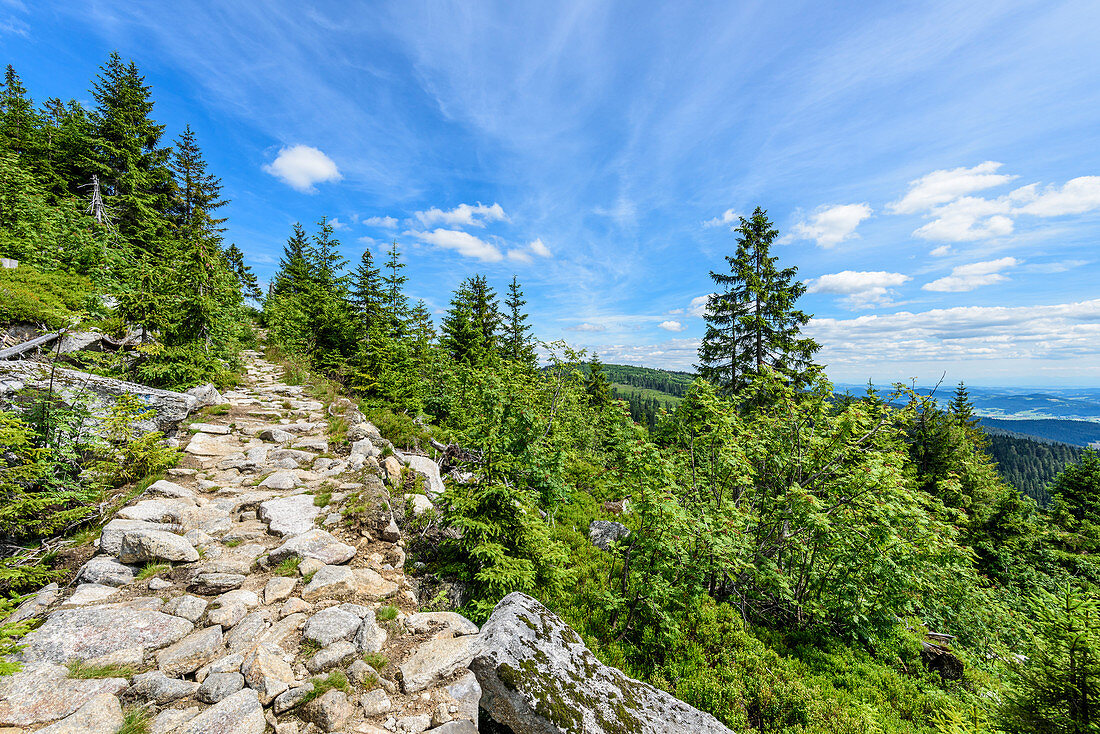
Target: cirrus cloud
column 301, row 167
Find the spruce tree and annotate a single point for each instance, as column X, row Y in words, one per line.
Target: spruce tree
column 596, row 384
column 366, row 290
column 393, row 287
column 250, row 286
column 752, row 322
column 517, row 346
column 130, row 162
column 293, row 276
column 325, row 259
column 962, row 408
column 461, row 334
column 18, row 120
column 485, row 310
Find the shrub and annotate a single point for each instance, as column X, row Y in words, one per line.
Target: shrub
column 48, row 299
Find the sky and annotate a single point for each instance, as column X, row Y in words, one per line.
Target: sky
column 933, row 168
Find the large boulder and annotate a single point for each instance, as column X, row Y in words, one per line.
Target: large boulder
column 537, row 677
column 604, row 533
column 89, row 632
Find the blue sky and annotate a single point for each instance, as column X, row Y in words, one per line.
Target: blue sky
column 934, row 168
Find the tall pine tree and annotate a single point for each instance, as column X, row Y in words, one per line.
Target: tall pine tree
column 752, row 322
column 366, row 290
column 517, row 346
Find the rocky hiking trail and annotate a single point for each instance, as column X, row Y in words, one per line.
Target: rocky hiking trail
column 236, row 597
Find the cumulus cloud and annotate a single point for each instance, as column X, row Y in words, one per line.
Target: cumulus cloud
column 940, row 187
column 538, row 248
column 942, row 251
column 671, row 325
column 301, row 167
column 464, row 243
column 831, row 225
column 1077, row 196
column 861, row 289
column 384, row 222
column 463, row 215
column 955, row 216
column 728, row 218
column 1051, row 332
column 974, row 275
column 698, row 305
column 336, row 224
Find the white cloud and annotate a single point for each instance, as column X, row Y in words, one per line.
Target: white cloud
column 671, row 326
column 463, row 215
column 526, row 254
column 1077, row 196
column 967, row 219
column 540, row 249
column 942, row 186
column 1056, row 267
column 974, row 275
column 940, row 336
column 831, row 225
column 862, row 289
column 337, row 225
column 384, row 222
column 462, row 242
column 942, row 251
column 729, row 217
column 588, row 327
column 301, row 166
column 698, row 305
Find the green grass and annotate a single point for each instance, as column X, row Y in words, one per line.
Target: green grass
column 288, row 567
column 336, row 680
column 671, row 401
column 307, row 577
column 135, row 720
column 386, row 613
column 222, row 409
column 323, row 499
column 83, row 671
column 310, row 648
column 232, row 543
column 149, row 570
column 376, row 660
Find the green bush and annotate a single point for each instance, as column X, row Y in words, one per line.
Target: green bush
column 49, row 300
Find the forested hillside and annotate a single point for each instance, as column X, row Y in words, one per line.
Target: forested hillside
column 785, row 560
column 1031, row 465
column 1077, row 433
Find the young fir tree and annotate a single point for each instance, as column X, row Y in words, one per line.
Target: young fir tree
column 752, row 323
column 517, row 346
column 130, row 162
column 18, row 120
column 293, row 276
column 961, row 407
column 393, row 287
column 461, row 335
column 596, row 384
column 325, row 259
column 206, row 291
column 366, row 290
column 485, row 310
column 250, row 286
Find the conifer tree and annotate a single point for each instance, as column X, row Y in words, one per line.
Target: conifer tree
column 130, row 161
column 461, row 335
column 752, row 322
column 294, row 274
column 250, row 286
column 366, row 290
column 596, row 384
column 18, row 119
column 485, row 310
column 962, row 408
column 517, row 344
column 393, row 286
column 325, row 260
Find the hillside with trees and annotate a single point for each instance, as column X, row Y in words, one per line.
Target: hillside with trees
column 785, row 560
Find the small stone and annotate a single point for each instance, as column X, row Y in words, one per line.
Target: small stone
column 330, row 582
column 391, row 533
column 157, row 584
column 291, row 698
column 370, row 637
column 169, row 719
column 309, row 566
column 329, row 711
column 139, row 546
column 158, row 688
column 436, row 659
column 218, row 686
column 187, row 606
column 604, row 533
column 266, row 673
column 316, row 543
column 276, row 435
column 240, row 713
column 211, row 428
column 440, row 715
column 294, row 606
column 89, row 594
column 244, row 634
column 164, row 488
column 278, row 588
column 419, row 504
column 375, row 702
column 100, row 714
column 425, row 621
column 216, row 583
column 414, row 724
column 288, row 516
column 335, row 654
column 330, row 625
column 359, row 672
column 192, row 652
column 107, row 571
column 227, row 615
column 281, row 480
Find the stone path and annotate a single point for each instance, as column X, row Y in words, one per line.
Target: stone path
column 265, row 563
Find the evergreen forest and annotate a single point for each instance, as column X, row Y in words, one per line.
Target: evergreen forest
column 797, row 561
